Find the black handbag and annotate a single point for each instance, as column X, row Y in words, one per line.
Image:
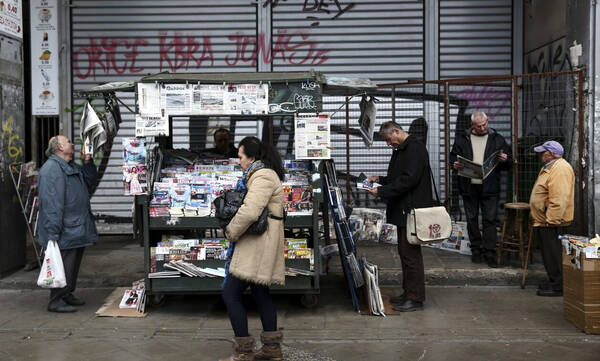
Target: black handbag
column 227, row 205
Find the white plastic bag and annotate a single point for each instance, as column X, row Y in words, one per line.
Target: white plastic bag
column 52, row 274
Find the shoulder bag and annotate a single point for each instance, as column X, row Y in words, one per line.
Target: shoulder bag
column 429, row 224
column 227, row 205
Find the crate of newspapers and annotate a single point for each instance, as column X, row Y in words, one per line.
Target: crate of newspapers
column 581, row 282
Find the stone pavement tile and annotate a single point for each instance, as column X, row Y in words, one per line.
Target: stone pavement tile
column 60, row 350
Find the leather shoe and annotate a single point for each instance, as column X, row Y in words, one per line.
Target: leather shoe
column 550, row 293
column 544, row 286
column 398, row 299
column 73, row 301
column 491, row 261
column 408, row 306
column 62, row 309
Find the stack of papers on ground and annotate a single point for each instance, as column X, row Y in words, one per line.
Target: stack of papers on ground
column 371, row 273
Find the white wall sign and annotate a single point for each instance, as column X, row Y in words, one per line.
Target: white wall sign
column 44, row 57
column 11, row 18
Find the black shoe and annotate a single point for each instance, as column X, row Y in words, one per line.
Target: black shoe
column 62, row 309
column 550, row 293
column 73, row 301
column 492, row 262
column 476, row 256
column 398, row 299
column 545, row 286
column 408, row 306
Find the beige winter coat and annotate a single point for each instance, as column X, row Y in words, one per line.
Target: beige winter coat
column 259, row 258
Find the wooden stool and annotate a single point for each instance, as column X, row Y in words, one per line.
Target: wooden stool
column 512, row 239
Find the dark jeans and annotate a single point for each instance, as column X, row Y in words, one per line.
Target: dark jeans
column 413, row 271
column 71, row 261
column 233, row 293
column 489, row 212
column 551, row 253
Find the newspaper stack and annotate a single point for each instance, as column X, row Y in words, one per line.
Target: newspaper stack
column 192, row 270
column 371, row 273
column 135, row 298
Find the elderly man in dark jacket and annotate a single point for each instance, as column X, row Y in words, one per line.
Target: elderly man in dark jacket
column 65, row 215
column 406, row 186
column 478, row 143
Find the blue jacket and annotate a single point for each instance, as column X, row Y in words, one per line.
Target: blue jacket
column 65, row 212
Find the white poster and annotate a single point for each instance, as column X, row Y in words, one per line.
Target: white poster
column 44, row 57
column 11, row 17
column 151, row 125
column 148, row 98
column 208, row 99
column 176, row 99
column 312, row 136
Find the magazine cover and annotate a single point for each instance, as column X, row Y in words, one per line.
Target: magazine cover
column 180, row 195
column 134, row 151
column 298, row 200
column 134, row 179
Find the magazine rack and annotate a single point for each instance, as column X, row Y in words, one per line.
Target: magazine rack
column 151, row 229
column 18, row 177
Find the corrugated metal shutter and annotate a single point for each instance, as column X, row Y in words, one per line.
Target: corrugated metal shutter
column 124, row 40
column 475, row 41
column 475, row 38
column 377, row 39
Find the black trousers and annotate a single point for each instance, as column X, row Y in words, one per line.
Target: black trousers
column 233, row 293
column 551, row 253
column 489, row 212
column 413, row 270
column 71, row 261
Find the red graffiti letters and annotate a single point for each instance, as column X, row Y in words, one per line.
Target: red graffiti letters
column 102, row 54
column 492, row 100
column 183, row 50
column 179, row 52
column 287, row 45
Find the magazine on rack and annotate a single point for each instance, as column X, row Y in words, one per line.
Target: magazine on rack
column 474, row 170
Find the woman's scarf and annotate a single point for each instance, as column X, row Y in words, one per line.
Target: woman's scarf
column 241, row 186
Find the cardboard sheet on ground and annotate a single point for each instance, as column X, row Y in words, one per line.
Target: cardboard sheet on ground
column 110, row 308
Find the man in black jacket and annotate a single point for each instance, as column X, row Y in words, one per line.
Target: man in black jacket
column 407, row 185
column 478, row 143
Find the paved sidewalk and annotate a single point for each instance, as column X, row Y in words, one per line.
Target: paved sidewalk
column 117, row 261
column 458, row 323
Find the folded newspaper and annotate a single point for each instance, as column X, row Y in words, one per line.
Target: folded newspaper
column 474, row 170
column 363, row 183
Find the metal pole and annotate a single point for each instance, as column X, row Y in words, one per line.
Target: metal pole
column 446, row 141
column 348, row 188
column 515, row 140
column 580, row 146
column 393, row 104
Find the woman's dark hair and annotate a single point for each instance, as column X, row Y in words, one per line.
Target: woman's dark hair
column 255, row 148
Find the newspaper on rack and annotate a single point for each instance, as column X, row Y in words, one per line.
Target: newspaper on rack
column 371, row 273
column 192, row 270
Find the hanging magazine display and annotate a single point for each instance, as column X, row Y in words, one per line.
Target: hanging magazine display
column 134, row 166
column 474, row 170
column 312, row 136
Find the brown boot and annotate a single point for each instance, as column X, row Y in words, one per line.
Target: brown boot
column 271, row 348
column 243, row 349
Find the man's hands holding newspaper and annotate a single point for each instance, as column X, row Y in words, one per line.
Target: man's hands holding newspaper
column 501, row 157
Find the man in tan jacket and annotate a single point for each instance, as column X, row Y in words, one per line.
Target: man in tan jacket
column 552, row 204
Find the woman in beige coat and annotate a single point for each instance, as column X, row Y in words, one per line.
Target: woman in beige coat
column 256, row 261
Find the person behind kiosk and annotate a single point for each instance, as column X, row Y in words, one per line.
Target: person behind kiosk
column 223, row 146
column 256, row 261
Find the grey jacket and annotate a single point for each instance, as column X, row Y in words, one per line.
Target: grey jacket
column 65, row 213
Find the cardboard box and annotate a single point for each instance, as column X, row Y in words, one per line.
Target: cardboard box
column 581, row 289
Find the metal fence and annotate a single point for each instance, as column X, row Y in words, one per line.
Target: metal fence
column 526, row 109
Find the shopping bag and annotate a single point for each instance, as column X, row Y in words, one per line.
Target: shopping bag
column 52, row 273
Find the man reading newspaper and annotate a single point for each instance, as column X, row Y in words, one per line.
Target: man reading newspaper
column 479, row 184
